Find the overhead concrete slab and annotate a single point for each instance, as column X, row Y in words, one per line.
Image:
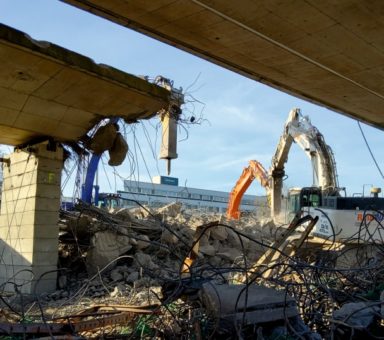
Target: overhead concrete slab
column 46, row 90
column 328, row 52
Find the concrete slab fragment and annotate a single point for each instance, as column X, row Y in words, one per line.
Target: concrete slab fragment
column 254, row 38
column 41, row 82
column 259, row 304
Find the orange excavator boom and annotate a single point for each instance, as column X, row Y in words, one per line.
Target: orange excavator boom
column 254, row 171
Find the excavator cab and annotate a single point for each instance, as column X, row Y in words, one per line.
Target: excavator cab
column 109, row 201
column 302, row 199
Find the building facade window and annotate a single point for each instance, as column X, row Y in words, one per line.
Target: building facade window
column 157, row 195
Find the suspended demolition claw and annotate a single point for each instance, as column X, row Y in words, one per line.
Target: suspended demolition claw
column 108, row 138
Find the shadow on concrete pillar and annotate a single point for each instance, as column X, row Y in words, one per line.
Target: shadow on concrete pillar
column 30, row 205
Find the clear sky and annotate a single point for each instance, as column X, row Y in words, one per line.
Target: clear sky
column 243, row 119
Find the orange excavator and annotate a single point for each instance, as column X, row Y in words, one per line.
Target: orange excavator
column 254, row 171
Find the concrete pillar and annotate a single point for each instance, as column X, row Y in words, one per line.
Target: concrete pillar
column 28, row 221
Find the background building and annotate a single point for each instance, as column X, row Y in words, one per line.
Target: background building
column 164, row 190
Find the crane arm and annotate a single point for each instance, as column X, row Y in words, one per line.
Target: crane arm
column 309, row 138
column 254, row 170
column 278, row 161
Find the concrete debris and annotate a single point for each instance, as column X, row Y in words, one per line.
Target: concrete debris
column 254, row 303
column 145, row 261
column 107, row 138
column 103, row 139
column 357, row 314
column 230, row 254
column 116, row 275
column 132, row 277
column 105, row 247
column 118, row 151
column 124, row 214
column 135, row 257
column 169, row 238
column 382, row 305
column 208, row 250
column 170, row 210
column 263, row 308
column 219, row 233
column 142, row 242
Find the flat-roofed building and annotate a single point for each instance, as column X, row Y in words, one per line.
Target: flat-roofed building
column 157, row 194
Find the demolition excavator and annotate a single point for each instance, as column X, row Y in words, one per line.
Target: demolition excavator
column 340, row 217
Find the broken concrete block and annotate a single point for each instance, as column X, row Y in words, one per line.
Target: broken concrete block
column 171, row 210
column 230, row 254
column 382, row 304
column 106, row 246
column 215, row 261
column 204, row 240
column 124, row 214
column 219, row 233
column 80, row 226
column 208, row 250
column 118, row 151
column 133, row 277
column 356, row 314
column 62, row 281
column 133, row 241
column 168, row 238
column 145, row 261
column 217, row 244
column 233, row 239
column 143, row 242
column 115, row 275
column 260, row 304
column 116, row 292
column 103, row 139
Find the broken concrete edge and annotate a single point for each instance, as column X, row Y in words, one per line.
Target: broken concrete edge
column 216, row 58
column 85, row 64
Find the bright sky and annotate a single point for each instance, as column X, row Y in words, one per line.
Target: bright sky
column 244, row 119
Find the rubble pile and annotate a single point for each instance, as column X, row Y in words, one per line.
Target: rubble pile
column 143, row 245
column 173, row 273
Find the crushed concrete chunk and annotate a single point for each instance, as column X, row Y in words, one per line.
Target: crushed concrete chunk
column 118, row 151
column 131, row 278
column 116, row 275
column 208, row 250
column 145, row 261
column 230, row 254
column 143, row 242
column 215, row 261
column 356, row 314
column 103, row 139
column 171, row 210
column 106, row 247
column 124, row 214
column 219, row 233
column 168, row 238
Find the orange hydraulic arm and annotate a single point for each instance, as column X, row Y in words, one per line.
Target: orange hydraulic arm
column 254, row 170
